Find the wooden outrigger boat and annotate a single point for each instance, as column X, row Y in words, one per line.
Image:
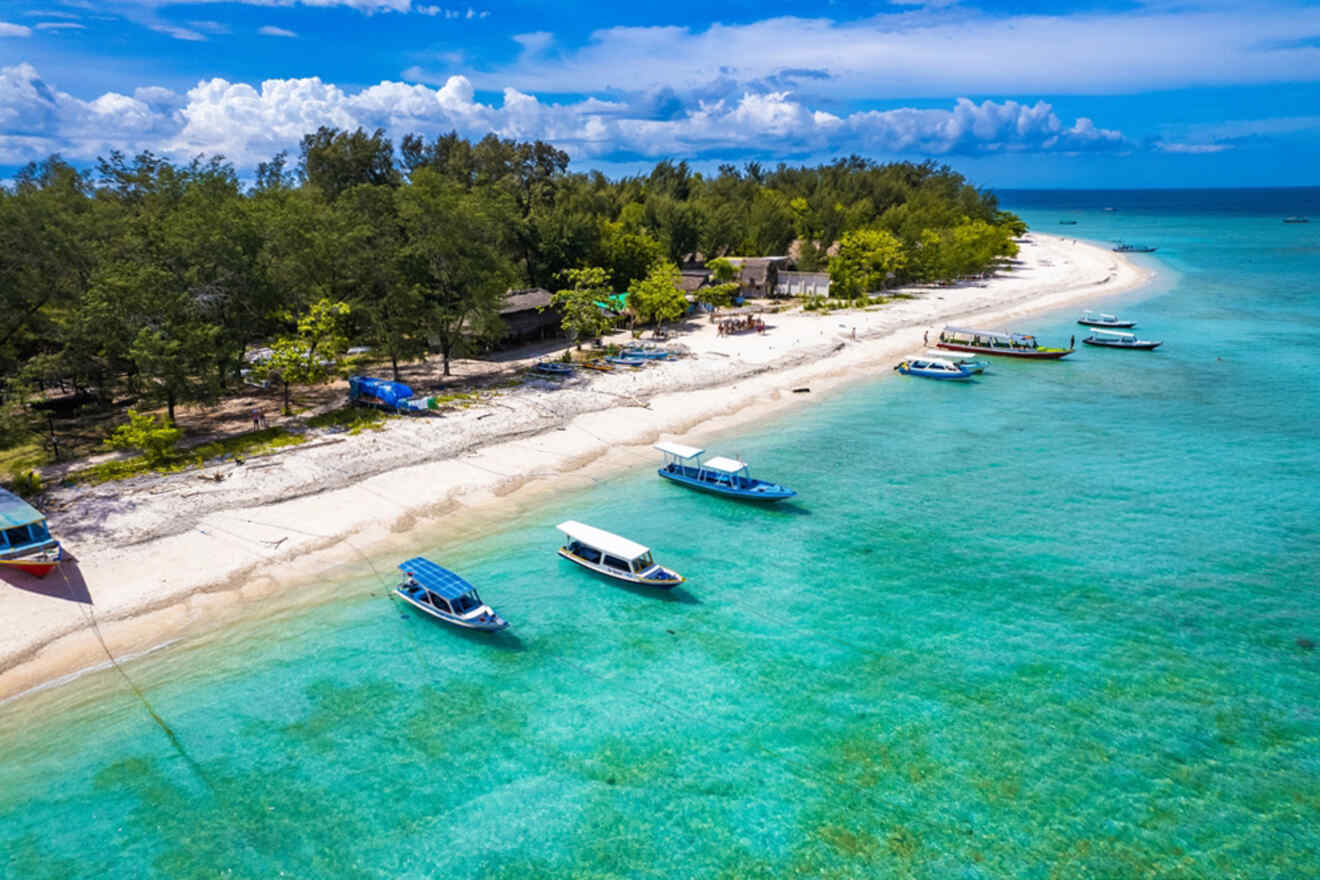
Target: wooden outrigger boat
column 721, row 476
column 1020, row 345
column 621, row 361
column 1101, row 319
column 445, row 596
column 598, row 365
column 648, row 354
column 1116, row 339
column 615, row 557
column 25, row 541
column 934, row 368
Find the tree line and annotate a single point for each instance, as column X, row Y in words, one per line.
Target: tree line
column 152, row 278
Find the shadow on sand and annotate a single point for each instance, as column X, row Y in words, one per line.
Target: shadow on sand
column 66, row 582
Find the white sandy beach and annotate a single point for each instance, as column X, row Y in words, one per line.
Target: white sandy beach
column 163, row 557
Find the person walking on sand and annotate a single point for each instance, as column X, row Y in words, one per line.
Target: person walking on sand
column 256, row 419
column 925, row 337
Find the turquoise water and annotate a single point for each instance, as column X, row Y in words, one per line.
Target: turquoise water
column 1057, row 623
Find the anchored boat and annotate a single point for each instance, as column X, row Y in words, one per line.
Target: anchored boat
column 1022, row 345
column 1101, row 319
column 722, row 476
column 1125, row 248
column 971, row 364
column 608, row 554
column 445, row 596
column 1117, row 339
column 25, row 541
column 934, row 368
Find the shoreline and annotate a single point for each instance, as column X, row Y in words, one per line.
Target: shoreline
column 164, row 559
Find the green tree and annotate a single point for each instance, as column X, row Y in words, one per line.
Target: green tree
column 583, row 319
column 311, row 354
column 864, row 261
column 334, row 160
column 725, row 287
column 154, row 439
column 452, row 257
column 658, row 297
column 627, row 256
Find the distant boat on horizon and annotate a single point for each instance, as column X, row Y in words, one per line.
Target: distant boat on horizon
column 1067, row 222
column 1124, row 248
column 1295, row 220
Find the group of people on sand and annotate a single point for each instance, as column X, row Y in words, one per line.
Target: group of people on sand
column 741, row 325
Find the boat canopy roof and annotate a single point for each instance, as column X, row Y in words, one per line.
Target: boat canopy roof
column 940, row 354
column 1104, row 316
column 998, row 334
column 440, row 581
column 606, row 542
column 725, row 465
column 1118, row 333
column 678, row 449
column 14, row 511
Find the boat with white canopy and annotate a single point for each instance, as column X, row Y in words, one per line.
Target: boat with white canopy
column 1101, row 319
column 613, row 556
column 971, row 364
column 723, row 476
column 445, row 596
column 1118, row 339
column 934, row 368
column 997, row 342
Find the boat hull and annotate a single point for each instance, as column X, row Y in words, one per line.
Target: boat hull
column 37, row 566
column 626, row 577
column 1035, row 354
column 494, row 625
column 1108, row 325
column 1139, row 346
column 964, row 376
column 768, row 493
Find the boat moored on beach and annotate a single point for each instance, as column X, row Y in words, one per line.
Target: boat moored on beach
column 621, row 361
column 1101, row 319
column 998, row 343
column 445, row 596
column 721, row 476
column 613, row 556
column 25, row 541
column 934, row 368
column 554, row 368
column 1118, row 339
column 1121, row 247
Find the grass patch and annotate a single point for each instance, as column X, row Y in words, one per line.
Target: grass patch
column 240, row 446
column 353, row 419
column 24, row 457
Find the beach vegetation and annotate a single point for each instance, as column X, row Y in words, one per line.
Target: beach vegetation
column 582, row 318
column 154, row 438
column 866, row 260
column 657, row 298
column 311, row 354
column 353, row 419
column 237, row 448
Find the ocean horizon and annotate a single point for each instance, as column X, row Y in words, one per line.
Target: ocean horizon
column 1060, row 621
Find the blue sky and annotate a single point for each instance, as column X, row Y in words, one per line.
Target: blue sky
column 1162, row 93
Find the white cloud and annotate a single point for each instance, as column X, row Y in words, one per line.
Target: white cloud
column 272, row 31
column 249, row 124
column 1190, row 149
column 443, row 12
column 939, row 52
column 14, row 30
column 178, row 33
column 59, row 26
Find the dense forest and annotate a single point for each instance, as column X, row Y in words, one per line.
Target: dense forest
column 153, row 279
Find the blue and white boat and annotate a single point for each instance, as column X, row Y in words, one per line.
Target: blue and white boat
column 626, row 361
column 554, row 368
column 613, row 556
column 445, row 596
column 934, row 368
column 648, row 354
column 25, row 541
column 722, row 476
column 967, row 363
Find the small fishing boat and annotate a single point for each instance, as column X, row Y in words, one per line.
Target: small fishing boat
column 608, row 554
column 648, row 354
column 620, row 361
column 1124, row 248
column 1117, row 339
column 934, row 368
column 445, row 596
column 554, row 368
column 1067, row 222
column 970, row 364
column 597, row 365
column 1100, row 319
column 25, row 541
column 722, row 476
column 1021, row 345
column 1295, row 220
